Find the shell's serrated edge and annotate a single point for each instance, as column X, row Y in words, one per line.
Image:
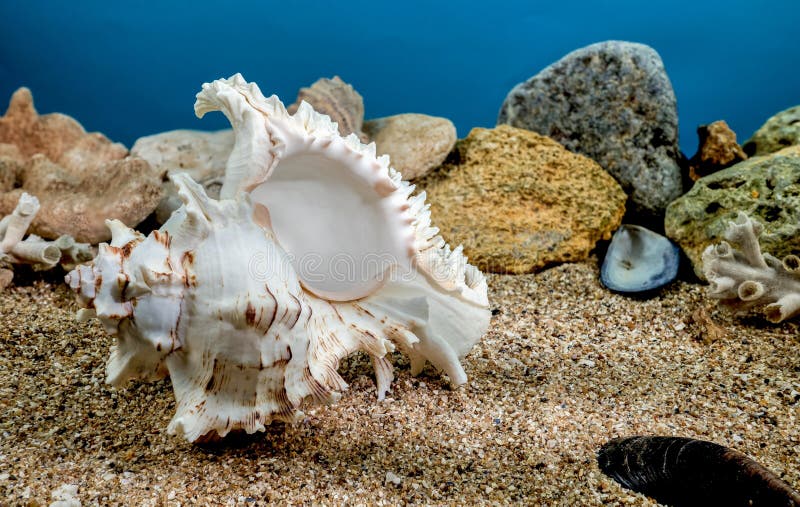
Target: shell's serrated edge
column 447, row 268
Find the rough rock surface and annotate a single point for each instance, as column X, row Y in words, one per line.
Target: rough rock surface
column 80, row 178
column 613, row 102
column 765, row 188
column 337, row 99
column 416, row 143
column 717, row 149
column 519, row 201
column 780, row 131
column 202, row 155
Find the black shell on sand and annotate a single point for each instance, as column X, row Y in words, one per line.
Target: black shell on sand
column 639, row 260
column 687, row 472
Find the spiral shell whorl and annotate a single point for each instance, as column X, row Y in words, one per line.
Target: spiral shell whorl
column 218, row 300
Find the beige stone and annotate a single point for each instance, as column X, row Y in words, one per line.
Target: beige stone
column 519, row 201
column 416, row 143
column 339, row 100
column 202, row 155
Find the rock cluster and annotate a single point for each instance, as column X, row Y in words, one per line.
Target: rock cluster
column 81, row 179
column 416, row 143
column 614, row 103
column 764, row 188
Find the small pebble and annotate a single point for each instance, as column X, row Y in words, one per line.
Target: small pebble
column 392, row 478
column 65, row 495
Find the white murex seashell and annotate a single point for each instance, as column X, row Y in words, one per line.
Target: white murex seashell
column 314, row 251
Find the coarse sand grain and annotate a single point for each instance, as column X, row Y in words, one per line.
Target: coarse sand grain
column 565, row 366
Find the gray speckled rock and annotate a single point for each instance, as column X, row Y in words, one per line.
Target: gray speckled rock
column 613, row 102
column 780, row 131
column 765, row 188
column 416, row 143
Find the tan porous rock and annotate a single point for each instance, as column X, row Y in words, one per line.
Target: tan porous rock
column 717, row 149
column 519, row 201
column 81, row 179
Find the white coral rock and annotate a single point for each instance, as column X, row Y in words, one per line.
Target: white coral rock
column 314, row 251
column 33, row 250
column 744, row 279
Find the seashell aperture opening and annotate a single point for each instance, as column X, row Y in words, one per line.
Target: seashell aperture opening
column 335, row 259
column 221, row 300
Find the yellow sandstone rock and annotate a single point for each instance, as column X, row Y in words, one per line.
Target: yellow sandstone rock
column 519, row 201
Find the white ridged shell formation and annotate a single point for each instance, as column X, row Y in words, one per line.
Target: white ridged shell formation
column 314, row 251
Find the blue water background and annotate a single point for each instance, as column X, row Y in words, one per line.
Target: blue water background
column 129, row 69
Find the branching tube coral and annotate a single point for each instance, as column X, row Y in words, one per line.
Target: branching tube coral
column 745, row 279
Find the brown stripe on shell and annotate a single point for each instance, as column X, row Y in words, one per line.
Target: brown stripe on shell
column 369, row 334
column 187, row 263
column 126, row 249
column 123, row 280
column 298, row 312
column 336, row 311
column 162, row 237
column 168, row 262
column 173, row 334
column 274, row 308
column 361, row 309
column 285, row 408
column 213, row 381
column 319, row 392
column 332, row 376
column 279, row 363
column 250, row 314
column 282, row 318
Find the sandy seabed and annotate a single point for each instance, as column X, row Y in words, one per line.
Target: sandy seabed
column 565, row 366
